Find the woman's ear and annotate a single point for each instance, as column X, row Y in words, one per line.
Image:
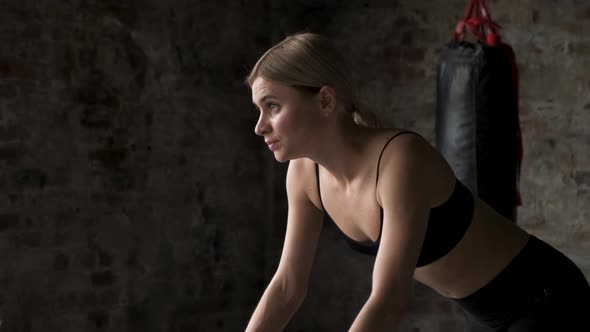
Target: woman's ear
column 327, row 100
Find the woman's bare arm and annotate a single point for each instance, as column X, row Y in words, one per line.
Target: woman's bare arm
column 287, row 289
column 404, row 193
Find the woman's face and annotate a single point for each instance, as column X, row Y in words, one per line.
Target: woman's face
column 287, row 118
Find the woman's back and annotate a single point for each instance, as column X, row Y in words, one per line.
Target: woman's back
column 486, row 246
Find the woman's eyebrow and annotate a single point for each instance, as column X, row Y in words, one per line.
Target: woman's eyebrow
column 264, row 98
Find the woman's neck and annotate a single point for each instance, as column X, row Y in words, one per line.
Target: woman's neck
column 342, row 149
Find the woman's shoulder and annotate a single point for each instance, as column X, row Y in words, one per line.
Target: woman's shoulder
column 399, row 138
column 301, row 165
column 393, row 131
column 302, row 171
column 400, row 144
column 407, row 155
column 302, row 179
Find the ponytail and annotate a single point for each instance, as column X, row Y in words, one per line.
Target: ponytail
column 363, row 116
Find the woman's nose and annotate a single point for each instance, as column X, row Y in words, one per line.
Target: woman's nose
column 262, row 126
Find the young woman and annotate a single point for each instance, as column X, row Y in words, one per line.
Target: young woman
column 394, row 196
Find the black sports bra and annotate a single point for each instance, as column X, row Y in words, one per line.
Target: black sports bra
column 447, row 223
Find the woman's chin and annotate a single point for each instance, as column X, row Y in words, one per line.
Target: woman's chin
column 281, row 157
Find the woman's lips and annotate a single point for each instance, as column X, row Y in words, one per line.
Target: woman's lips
column 272, row 145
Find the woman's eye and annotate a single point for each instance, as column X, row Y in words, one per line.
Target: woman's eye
column 276, row 107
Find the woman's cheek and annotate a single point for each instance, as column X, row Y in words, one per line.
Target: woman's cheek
column 282, row 122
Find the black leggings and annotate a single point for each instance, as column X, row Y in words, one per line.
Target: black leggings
column 540, row 290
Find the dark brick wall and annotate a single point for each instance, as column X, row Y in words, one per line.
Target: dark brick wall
column 136, row 197
column 133, row 187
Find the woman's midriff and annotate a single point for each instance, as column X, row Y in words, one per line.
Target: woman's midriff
column 487, row 247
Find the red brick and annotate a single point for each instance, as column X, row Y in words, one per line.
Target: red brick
column 403, row 22
column 18, row 70
column 581, row 238
column 103, row 278
column 12, row 151
column 26, row 239
column 59, row 239
column 389, row 53
column 8, row 221
column 582, row 179
column 61, row 262
column 103, row 298
column 410, row 73
column 86, row 259
column 9, row 133
column 70, row 300
column 96, row 117
column 535, row 16
column 29, row 179
column 8, row 90
column 580, row 48
column 413, row 54
column 395, row 72
column 32, row 31
column 109, row 155
column 99, row 318
column 104, row 259
column 407, row 38
column 76, row 300
column 585, row 13
column 109, row 198
column 429, row 36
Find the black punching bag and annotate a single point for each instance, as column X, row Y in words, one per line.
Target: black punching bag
column 477, row 124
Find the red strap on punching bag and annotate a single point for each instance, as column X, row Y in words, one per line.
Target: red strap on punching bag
column 478, row 21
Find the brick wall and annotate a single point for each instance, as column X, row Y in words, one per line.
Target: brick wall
column 135, row 196
column 132, row 184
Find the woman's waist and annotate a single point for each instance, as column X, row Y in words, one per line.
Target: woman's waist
column 487, row 247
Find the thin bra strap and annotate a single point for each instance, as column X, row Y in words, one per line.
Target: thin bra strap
column 317, row 176
column 317, row 169
column 381, row 154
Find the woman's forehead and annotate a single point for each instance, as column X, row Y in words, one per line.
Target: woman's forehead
column 262, row 88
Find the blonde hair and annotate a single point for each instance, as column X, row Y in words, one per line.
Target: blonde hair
column 307, row 61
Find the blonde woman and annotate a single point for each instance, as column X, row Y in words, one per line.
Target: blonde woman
column 394, row 196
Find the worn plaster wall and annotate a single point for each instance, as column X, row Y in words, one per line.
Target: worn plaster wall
column 131, row 184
